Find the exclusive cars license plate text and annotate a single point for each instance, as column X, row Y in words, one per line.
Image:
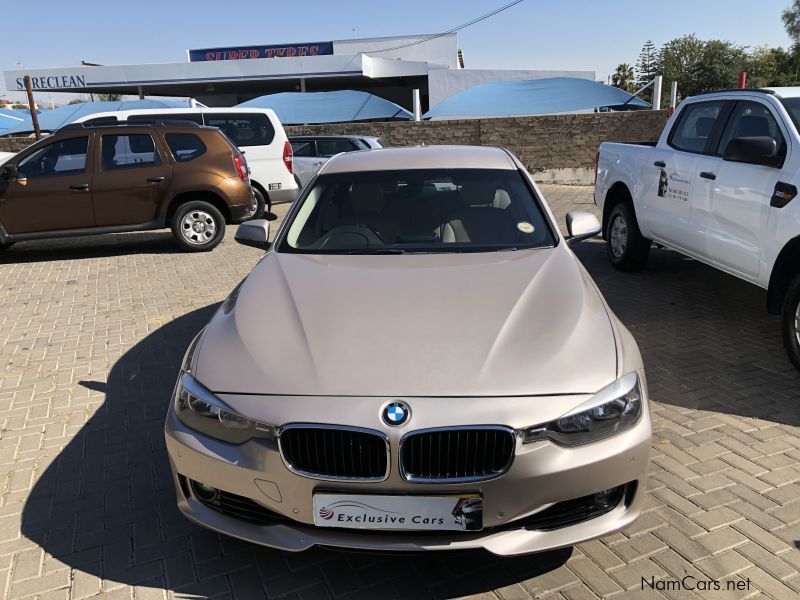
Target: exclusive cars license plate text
column 445, row 513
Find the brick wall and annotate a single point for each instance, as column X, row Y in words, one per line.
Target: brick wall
column 15, row 144
column 557, row 148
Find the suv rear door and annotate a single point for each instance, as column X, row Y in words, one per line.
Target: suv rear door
column 131, row 174
column 52, row 191
column 304, row 159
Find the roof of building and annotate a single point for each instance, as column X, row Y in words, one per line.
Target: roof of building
column 533, row 97
column 297, row 108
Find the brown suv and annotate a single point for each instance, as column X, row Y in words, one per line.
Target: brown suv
column 86, row 180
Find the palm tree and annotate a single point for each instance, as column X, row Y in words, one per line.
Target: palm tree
column 624, row 78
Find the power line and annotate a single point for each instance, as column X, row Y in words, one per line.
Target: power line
column 453, row 30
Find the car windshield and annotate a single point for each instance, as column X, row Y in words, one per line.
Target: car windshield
column 430, row 210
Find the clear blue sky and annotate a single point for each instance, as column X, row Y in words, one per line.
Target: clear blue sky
column 537, row 34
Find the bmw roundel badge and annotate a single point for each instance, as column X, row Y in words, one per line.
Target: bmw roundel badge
column 396, row 413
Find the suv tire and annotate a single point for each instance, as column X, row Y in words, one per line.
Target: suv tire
column 790, row 322
column 626, row 247
column 198, row 226
column 259, row 203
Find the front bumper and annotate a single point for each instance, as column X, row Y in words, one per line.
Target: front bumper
column 540, row 475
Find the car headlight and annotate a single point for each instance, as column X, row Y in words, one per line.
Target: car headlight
column 610, row 411
column 198, row 408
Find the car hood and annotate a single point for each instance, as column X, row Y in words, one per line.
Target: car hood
column 524, row 322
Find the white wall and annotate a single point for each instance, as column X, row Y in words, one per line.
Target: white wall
column 443, row 83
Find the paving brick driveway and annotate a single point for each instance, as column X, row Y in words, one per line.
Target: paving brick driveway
column 91, row 333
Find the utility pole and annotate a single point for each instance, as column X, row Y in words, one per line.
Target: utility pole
column 32, row 107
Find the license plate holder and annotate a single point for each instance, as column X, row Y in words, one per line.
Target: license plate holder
column 447, row 512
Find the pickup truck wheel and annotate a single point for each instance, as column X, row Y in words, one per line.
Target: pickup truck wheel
column 627, row 248
column 790, row 322
column 198, row 226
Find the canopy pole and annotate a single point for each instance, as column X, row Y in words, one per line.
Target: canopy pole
column 302, row 85
column 141, row 93
column 657, row 92
column 416, row 103
column 34, row 115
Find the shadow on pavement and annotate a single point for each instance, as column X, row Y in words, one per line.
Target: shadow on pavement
column 705, row 336
column 95, row 246
column 106, row 508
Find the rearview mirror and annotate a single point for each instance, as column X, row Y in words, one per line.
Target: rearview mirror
column 760, row 150
column 9, row 172
column 581, row 225
column 254, row 233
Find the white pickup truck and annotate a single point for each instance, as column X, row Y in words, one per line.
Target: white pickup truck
column 718, row 186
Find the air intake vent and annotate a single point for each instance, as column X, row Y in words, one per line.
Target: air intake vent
column 460, row 454
column 334, row 453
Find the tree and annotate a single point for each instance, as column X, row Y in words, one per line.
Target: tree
column 109, row 97
column 76, row 101
column 623, row 78
column 648, row 66
column 768, row 67
column 791, row 21
column 720, row 65
column 680, row 61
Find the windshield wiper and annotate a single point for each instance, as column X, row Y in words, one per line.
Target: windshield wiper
column 376, row 251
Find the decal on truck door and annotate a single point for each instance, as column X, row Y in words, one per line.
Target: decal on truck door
column 674, row 185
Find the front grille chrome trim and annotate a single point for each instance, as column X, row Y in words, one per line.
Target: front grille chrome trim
column 322, row 477
column 513, row 435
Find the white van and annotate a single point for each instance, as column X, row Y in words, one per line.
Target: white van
column 256, row 131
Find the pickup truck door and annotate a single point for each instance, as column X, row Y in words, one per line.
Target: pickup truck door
column 731, row 209
column 130, row 177
column 669, row 180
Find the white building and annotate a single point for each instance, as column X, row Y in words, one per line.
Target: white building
column 390, row 67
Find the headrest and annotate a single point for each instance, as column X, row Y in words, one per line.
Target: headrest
column 753, row 126
column 366, row 197
column 703, row 126
column 477, row 192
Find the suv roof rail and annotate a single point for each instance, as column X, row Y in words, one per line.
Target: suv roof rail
column 153, row 123
column 759, row 90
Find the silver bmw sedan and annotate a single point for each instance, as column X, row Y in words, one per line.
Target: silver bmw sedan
column 418, row 362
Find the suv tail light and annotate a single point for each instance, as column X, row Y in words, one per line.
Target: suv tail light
column 287, row 156
column 241, row 166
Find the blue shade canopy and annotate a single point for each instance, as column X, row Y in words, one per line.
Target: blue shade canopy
column 532, row 97
column 51, row 120
column 10, row 118
column 297, row 108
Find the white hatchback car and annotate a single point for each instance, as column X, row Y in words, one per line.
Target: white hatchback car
column 256, row 131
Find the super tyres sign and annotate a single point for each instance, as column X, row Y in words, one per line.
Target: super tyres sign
column 249, row 52
column 50, row 82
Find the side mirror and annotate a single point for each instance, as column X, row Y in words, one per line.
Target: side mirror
column 9, row 172
column 760, row 150
column 581, row 225
column 254, row 233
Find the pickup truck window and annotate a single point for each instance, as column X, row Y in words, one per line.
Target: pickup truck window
column 694, row 126
column 792, row 106
column 751, row 119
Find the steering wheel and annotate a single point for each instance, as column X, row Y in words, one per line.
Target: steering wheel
column 350, row 237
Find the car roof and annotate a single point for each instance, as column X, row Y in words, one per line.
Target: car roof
column 421, row 157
